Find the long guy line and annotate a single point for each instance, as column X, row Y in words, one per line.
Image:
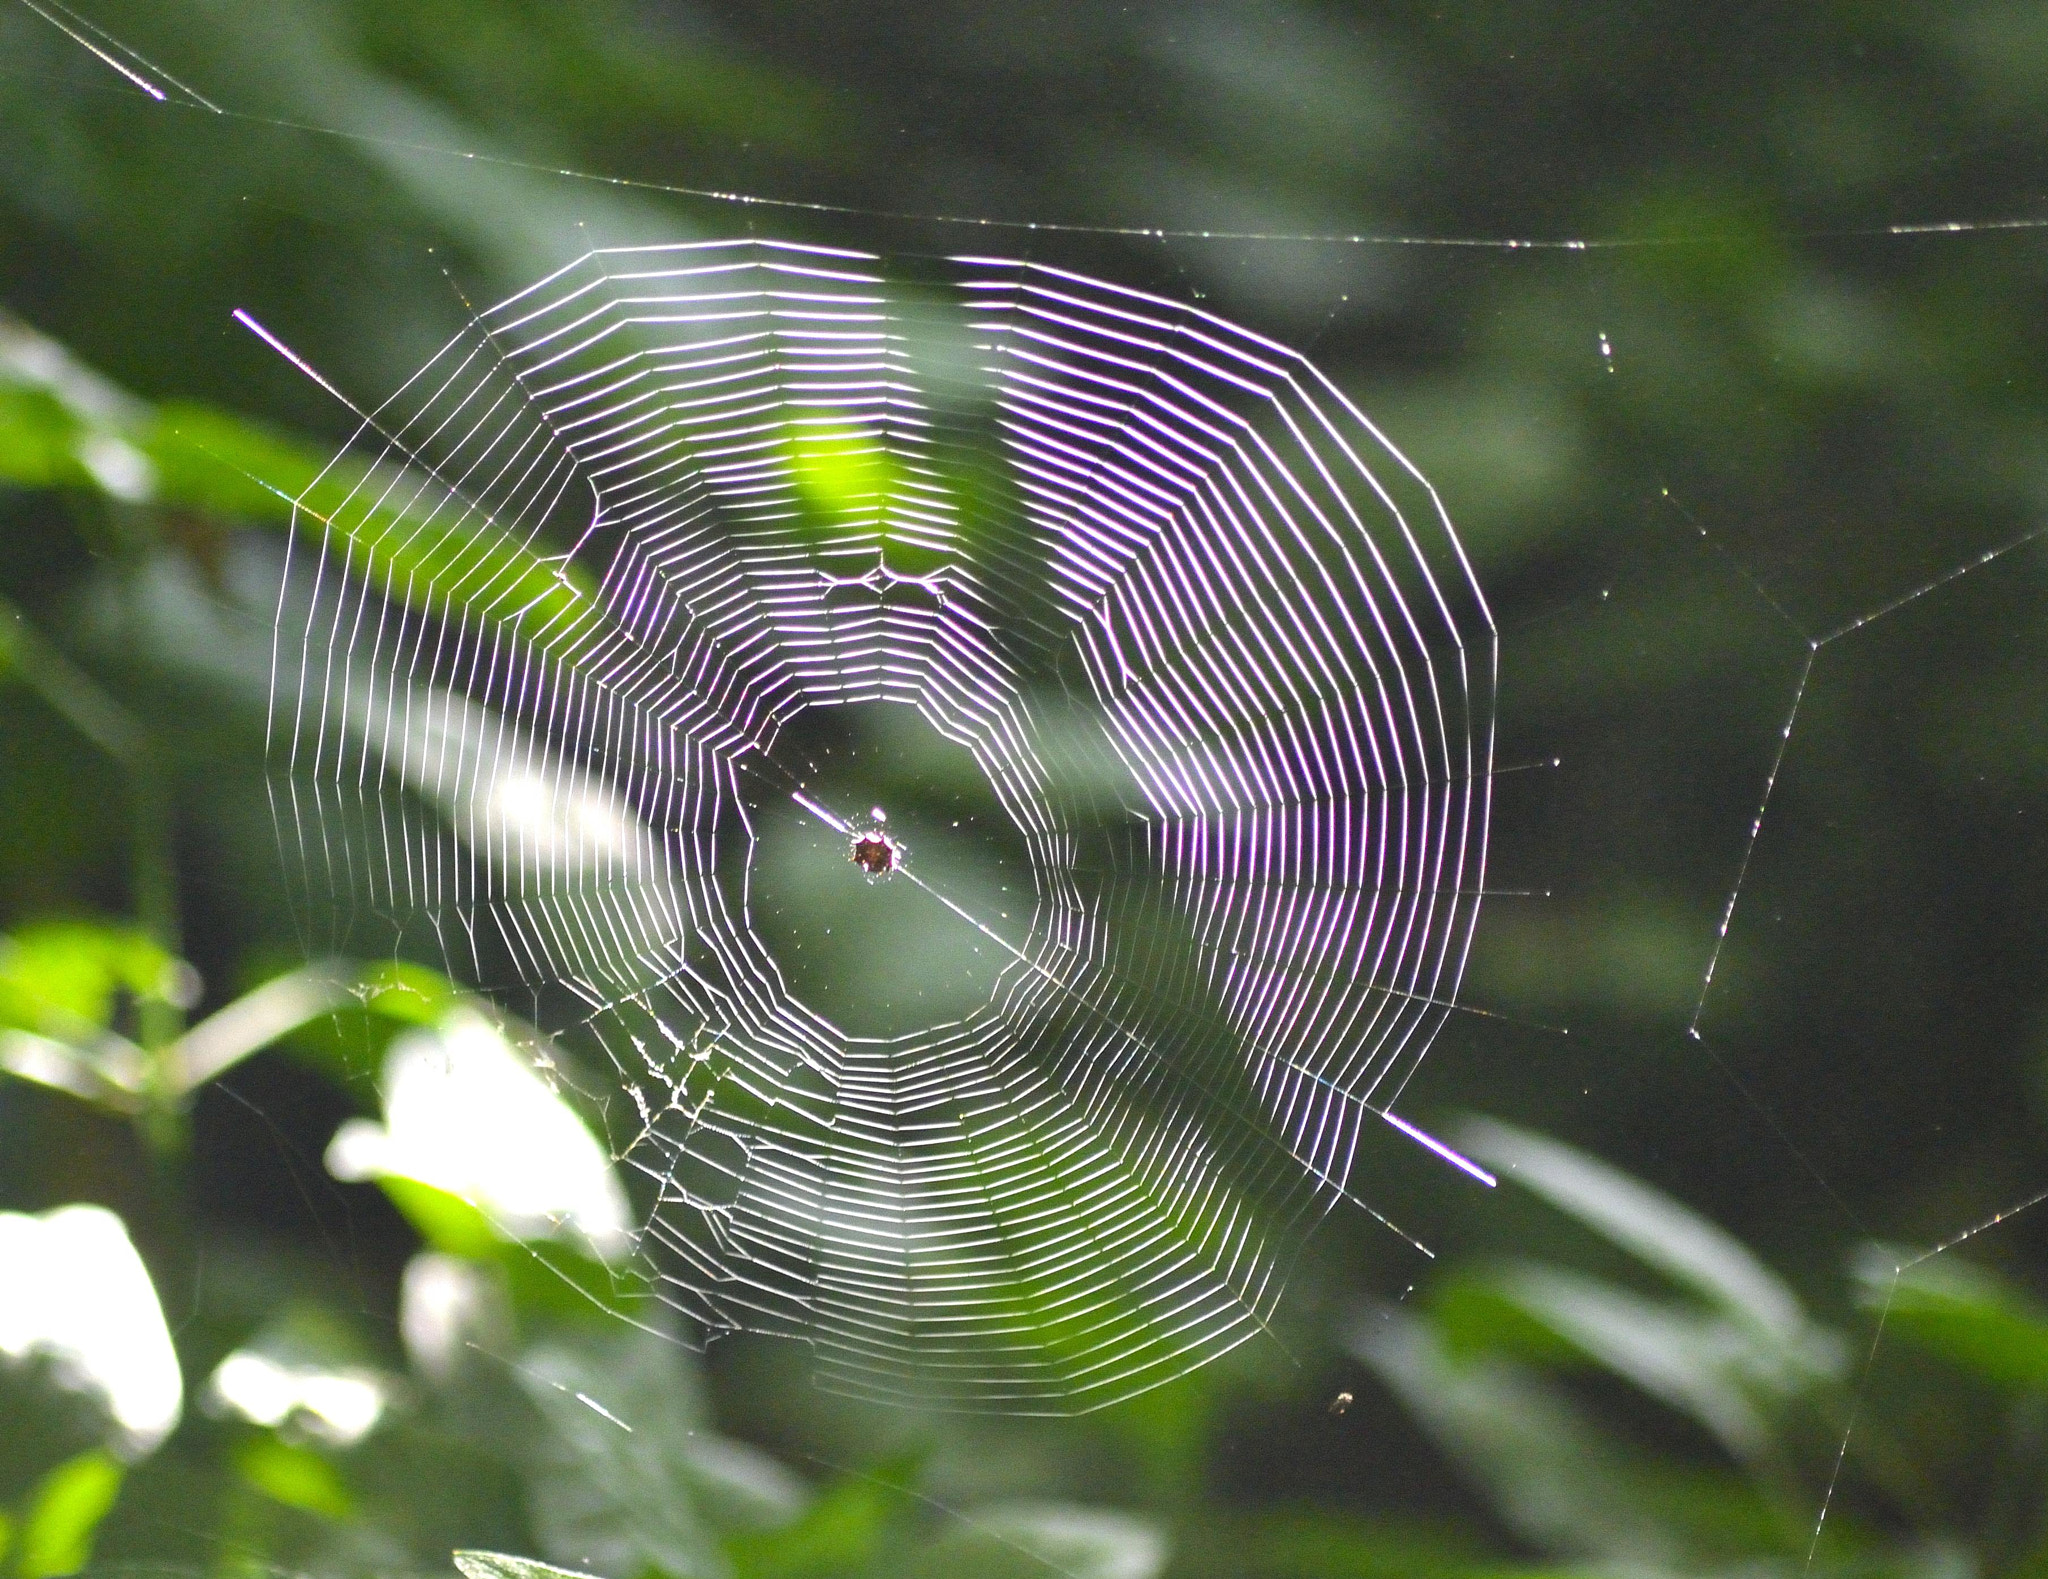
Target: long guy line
column 144, row 76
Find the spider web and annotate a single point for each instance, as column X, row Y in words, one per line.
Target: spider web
column 545, row 867
column 548, row 689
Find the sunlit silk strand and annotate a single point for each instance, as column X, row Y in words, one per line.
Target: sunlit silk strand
column 1210, row 639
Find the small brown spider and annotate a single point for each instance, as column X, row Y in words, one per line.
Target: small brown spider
column 874, row 852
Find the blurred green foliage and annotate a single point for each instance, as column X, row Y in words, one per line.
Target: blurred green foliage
column 1678, row 465
column 555, row 1413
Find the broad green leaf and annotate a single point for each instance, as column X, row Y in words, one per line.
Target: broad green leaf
column 1473, row 1316
column 1695, row 1364
column 411, row 994
column 207, row 459
column 38, row 441
column 63, row 425
column 613, row 1474
column 61, row 985
column 56, row 976
column 446, row 1222
column 554, row 1280
column 1650, row 1226
column 841, row 1532
column 63, row 1513
column 1028, row 1540
column 1559, row 1481
column 296, row 1476
column 1309, row 1543
column 1964, row 1313
column 472, row 1115
column 843, row 471
column 392, row 995
column 498, row 1565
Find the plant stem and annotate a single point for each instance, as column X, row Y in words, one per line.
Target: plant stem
column 86, row 705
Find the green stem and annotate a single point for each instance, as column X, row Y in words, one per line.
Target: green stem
column 153, row 868
column 87, row 706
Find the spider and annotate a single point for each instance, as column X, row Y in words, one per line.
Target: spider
column 875, row 853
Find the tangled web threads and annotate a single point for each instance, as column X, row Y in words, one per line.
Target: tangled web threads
column 604, row 633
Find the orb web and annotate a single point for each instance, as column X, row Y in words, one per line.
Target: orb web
column 592, row 624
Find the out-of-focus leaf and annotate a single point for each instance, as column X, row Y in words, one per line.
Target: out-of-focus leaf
column 1026, row 1540
column 554, row 1279
column 259, row 1017
column 63, row 425
column 1555, row 1479
column 58, row 975
column 839, row 468
column 207, row 459
column 1650, row 1226
column 616, row 1477
column 305, row 1373
column 411, row 994
column 1964, row 1313
column 739, row 1487
column 1324, row 1544
column 498, row 1565
column 1473, row 1315
column 296, row 1476
column 842, row 1531
column 392, row 994
column 38, row 441
column 74, row 1289
column 1695, row 1364
column 471, row 1113
column 64, row 1512
column 61, row 985
column 447, row 1222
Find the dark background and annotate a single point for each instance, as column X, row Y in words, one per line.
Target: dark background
column 1725, row 463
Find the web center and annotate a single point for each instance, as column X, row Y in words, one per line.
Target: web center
column 873, row 850
column 842, row 892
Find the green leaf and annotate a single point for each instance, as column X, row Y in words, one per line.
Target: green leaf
column 1028, row 1540
column 1650, row 1226
column 63, row 1513
column 295, row 1476
column 1474, row 1315
column 409, row 994
column 211, row 460
column 498, row 1565
column 56, row 976
column 841, row 468
column 63, row 425
column 1964, row 1313
column 612, row 1477
column 840, row 1532
column 1696, row 1365
column 38, row 440
column 1553, row 1478
column 446, row 1222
